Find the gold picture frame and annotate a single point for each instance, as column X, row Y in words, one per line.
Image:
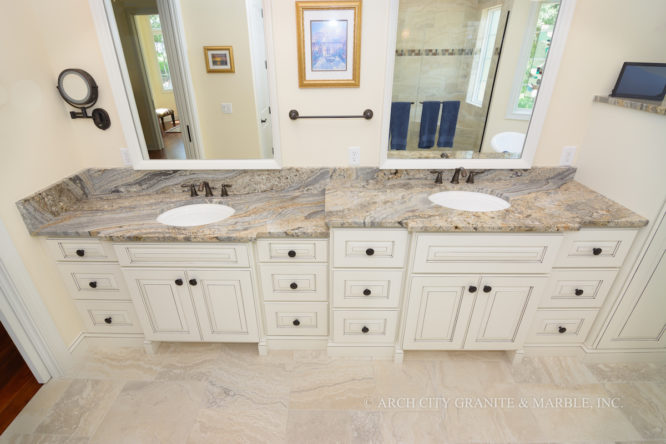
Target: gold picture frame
column 327, row 33
column 219, row 59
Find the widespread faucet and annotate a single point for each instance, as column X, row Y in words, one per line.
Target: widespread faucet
column 456, row 175
column 206, row 186
column 472, row 174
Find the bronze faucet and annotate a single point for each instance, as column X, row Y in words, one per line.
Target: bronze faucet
column 457, row 174
column 438, row 178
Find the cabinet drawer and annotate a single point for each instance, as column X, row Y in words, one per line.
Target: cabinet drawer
column 183, row 255
column 294, row 282
column 94, row 281
column 109, row 316
column 369, row 248
column 561, row 326
column 296, row 318
column 290, row 250
column 81, row 250
column 367, row 288
column 480, row 253
column 595, row 248
column 364, row 326
column 577, row 288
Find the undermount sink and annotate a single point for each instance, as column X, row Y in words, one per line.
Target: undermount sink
column 194, row 215
column 469, row 201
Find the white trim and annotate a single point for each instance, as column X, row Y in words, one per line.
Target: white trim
column 25, row 317
column 132, row 128
column 556, row 51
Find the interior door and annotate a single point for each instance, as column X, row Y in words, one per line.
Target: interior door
column 438, row 311
column 640, row 318
column 163, row 304
column 505, row 306
column 224, row 303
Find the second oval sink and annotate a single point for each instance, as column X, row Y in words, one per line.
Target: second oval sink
column 469, row 201
column 194, row 215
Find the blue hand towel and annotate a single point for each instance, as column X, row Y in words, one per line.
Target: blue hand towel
column 399, row 124
column 428, row 124
column 447, row 126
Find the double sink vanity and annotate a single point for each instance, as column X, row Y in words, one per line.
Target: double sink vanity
column 356, row 261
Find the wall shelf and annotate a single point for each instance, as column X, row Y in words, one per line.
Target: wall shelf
column 648, row 107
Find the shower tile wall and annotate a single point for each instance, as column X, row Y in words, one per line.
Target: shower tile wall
column 434, row 56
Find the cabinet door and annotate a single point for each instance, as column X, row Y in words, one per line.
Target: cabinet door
column 505, row 306
column 640, row 319
column 224, row 303
column 438, row 312
column 164, row 308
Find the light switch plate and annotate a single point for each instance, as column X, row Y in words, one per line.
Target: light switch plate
column 568, row 154
column 227, row 108
column 354, row 155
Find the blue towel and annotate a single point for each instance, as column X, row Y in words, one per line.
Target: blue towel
column 399, row 124
column 428, row 124
column 447, row 126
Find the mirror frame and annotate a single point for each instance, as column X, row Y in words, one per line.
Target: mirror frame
column 129, row 120
column 539, row 111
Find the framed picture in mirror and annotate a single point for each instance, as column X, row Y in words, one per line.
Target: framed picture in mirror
column 219, row 58
column 329, row 43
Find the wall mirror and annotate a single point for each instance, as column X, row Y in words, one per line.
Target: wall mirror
column 193, row 81
column 470, row 81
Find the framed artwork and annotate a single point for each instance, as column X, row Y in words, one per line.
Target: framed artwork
column 329, row 43
column 219, row 58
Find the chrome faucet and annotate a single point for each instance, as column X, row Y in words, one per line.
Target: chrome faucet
column 438, row 178
column 457, row 174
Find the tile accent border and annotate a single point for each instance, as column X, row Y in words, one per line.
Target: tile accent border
column 652, row 108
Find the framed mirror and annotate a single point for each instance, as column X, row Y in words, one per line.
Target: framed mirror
column 193, row 81
column 470, row 82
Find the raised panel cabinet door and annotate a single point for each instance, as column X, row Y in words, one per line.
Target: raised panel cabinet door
column 640, row 318
column 438, row 311
column 503, row 312
column 163, row 304
column 224, row 302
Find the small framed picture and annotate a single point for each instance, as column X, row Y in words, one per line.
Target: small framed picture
column 329, row 43
column 219, row 58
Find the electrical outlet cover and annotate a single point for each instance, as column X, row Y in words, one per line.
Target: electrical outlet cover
column 354, row 155
column 568, row 154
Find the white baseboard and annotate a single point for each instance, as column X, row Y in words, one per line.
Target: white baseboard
column 300, row 343
column 361, row 351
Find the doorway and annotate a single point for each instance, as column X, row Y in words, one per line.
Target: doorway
column 17, row 383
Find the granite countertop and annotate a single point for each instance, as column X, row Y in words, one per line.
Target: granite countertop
column 122, row 205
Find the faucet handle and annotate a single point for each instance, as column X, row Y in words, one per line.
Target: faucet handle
column 191, row 188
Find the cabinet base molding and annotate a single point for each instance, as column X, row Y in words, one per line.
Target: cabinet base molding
column 294, row 343
column 362, row 351
column 595, row 356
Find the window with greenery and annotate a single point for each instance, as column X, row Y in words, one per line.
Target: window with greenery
column 160, row 50
column 483, row 54
column 543, row 34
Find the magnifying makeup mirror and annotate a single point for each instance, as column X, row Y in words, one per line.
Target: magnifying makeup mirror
column 79, row 89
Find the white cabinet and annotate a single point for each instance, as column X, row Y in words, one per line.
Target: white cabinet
column 451, row 312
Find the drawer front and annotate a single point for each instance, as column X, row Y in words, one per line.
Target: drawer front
column 376, row 327
column 369, row 248
column 188, row 255
column 81, row 250
column 290, row 250
column 109, row 316
column 296, row 318
column 366, row 288
column 595, row 248
column 561, row 326
column 294, row 282
column 479, row 253
column 577, row 288
column 94, row 281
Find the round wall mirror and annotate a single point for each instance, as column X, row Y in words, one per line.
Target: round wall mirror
column 79, row 89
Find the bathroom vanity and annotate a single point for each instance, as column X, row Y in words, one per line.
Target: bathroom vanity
column 358, row 262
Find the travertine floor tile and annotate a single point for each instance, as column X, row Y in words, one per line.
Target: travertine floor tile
column 558, row 370
column 319, row 426
column 240, row 425
column 629, row 371
column 123, row 363
column 413, row 427
column 39, row 438
column 644, row 404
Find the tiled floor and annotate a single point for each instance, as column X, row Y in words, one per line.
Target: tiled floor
column 211, row 393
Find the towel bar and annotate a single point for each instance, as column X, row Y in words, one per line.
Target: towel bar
column 367, row 114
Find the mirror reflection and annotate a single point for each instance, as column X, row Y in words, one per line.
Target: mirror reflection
column 192, row 102
column 467, row 76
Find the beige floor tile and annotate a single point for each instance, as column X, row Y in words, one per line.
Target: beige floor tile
column 81, row 407
column 558, row 370
column 644, row 404
column 152, row 412
column 629, row 371
column 339, row 384
column 413, row 427
column 472, row 375
column 123, row 363
column 411, row 378
column 319, row 426
column 35, row 411
column 577, row 424
column 240, row 425
column 40, row 438
column 366, row 427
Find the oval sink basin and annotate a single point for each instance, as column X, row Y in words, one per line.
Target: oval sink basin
column 469, row 201
column 194, row 215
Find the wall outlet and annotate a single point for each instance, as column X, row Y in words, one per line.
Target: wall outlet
column 227, row 108
column 124, row 154
column 354, row 155
column 567, row 157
